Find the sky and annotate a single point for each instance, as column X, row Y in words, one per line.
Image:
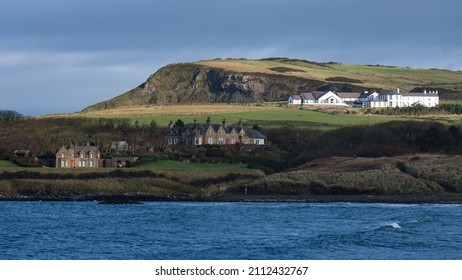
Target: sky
column 60, row 56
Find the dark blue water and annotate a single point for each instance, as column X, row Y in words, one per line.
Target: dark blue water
column 167, row 230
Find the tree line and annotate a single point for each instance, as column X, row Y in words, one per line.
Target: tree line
column 44, row 136
column 293, row 145
column 9, row 115
column 451, row 108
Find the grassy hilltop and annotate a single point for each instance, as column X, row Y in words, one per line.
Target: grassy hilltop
column 274, row 79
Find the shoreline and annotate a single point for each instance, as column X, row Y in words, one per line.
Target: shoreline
column 136, row 199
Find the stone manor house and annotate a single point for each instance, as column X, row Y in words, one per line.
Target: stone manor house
column 78, row 156
column 208, row 133
column 392, row 98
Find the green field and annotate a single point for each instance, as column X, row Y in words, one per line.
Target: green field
column 191, row 166
column 271, row 118
column 7, row 164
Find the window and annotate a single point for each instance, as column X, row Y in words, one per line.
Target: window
column 91, row 155
column 92, row 163
column 210, row 140
column 62, row 155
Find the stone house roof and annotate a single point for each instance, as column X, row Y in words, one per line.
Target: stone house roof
column 255, row 134
column 76, row 151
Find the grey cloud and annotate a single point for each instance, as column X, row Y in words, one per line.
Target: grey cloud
column 88, row 51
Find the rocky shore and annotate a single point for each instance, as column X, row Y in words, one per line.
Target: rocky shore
column 136, row 199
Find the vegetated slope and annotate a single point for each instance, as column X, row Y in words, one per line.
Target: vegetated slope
column 367, row 176
column 273, row 79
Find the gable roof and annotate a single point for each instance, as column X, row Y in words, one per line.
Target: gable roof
column 314, row 95
column 296, row 97
column 349, row 94
column 307, row 96
column 85, row 149
column 255, row 134
column 77, row 150
column 367, row 94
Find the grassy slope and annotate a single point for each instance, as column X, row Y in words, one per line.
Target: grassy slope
column 206, row 167
column 426, row 174
column 6, row 164
column 372, row 76
column 250, row 115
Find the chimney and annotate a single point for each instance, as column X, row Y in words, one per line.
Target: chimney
column 223, row 123
column 397, row 90
column 240, row 123
column 436, row 91
column 208, row 121
column 425, row 91
column 170, row 124
column 195, row 121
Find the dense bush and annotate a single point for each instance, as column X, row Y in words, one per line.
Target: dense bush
column 46, row 135
column 385, row 139
column 419, row 110
column 9, row 115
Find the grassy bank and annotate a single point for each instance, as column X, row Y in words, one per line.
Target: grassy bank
column 249, row 114
column 165, row 180
column 7, row 164
column 196, row 166
column 404, row 175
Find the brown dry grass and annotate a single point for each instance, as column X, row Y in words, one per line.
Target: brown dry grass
column 250, row 66
column 158, row 110
column 350, row 164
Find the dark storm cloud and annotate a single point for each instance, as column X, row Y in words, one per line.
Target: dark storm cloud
column 52, row 51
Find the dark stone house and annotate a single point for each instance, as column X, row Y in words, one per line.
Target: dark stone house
column 213, row 134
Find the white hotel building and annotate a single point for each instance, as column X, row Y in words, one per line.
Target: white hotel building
column 393, row 98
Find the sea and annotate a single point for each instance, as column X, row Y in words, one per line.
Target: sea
column 43, row 230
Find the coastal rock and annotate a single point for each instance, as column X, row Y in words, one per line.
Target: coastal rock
column 119, row 199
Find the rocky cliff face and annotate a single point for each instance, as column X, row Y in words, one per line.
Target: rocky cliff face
column 190, row 83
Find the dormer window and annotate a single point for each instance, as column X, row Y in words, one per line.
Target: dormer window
column 82, row 155
column 91, row 155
